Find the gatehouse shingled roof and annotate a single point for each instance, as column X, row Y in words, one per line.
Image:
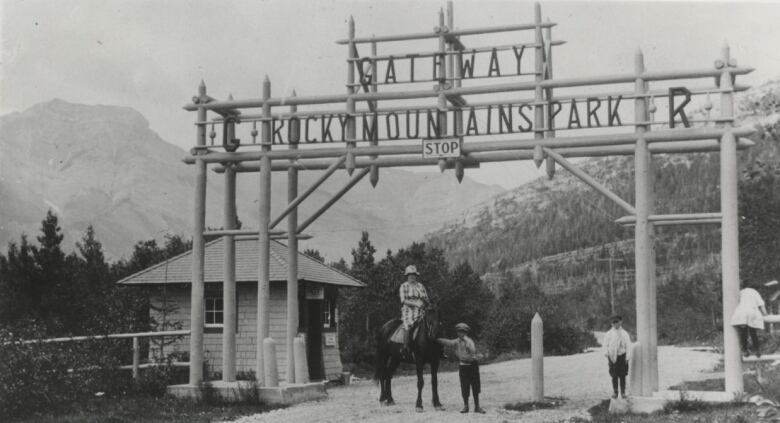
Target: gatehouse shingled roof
column 179, row 269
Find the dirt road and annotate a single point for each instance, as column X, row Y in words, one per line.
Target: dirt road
column 581, row 379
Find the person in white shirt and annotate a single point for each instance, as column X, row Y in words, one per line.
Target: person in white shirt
column 616, row 344
column 747, row 318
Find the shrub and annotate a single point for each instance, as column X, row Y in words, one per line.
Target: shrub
column 155, row 380
column 51, row 376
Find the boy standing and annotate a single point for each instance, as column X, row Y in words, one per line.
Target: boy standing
column 748, row 317
column 616, row 344
column 469, row 369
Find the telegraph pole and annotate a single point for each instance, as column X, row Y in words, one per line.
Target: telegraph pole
column 609, row 261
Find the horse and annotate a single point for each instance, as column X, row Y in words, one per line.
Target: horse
column 425, row 350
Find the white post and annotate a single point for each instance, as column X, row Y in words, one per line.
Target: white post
column 635, row 369
column 198, row 250
column 269, row 364
column 301, row 365
column 229, row 279
column 292, row 257
column 263, row 240
column 642, row 241
column 537, row 357
column 729, row 232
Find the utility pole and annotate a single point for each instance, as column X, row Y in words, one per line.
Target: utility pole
column 609, row 261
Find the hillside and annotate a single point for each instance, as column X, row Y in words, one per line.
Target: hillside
column 104, row 166
column 564, row 218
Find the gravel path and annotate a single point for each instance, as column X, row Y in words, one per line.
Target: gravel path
column 581, row 379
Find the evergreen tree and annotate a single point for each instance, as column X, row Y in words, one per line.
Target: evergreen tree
column 17, row 274
column 54, row 298
column 356, row 305
column 315, row 254
column 98, row 311
column 175, row 245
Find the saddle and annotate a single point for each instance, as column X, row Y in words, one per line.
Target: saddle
column 400, row 334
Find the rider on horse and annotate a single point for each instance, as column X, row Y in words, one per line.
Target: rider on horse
column 413, row 298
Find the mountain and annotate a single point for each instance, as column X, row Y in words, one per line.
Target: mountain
column 555, row 230
column 103, row 166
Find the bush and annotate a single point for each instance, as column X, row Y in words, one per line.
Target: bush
column 51, row 376
column 155, row 380
column 566, row 340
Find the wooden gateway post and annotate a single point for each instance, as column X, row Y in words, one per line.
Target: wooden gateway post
column 466, row 122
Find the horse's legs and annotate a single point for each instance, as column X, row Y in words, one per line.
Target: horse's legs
column 391, row 367
column 435, row 384
column 420, row 382
column 381, row 373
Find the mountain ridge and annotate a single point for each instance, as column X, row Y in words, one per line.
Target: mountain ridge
column 103, row 165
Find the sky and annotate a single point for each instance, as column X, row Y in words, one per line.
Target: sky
column 151, row 55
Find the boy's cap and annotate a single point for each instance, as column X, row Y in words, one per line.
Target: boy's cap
column 462, row 327
column 616, row 318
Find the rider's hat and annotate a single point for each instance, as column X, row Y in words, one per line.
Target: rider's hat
column 411, row 269
column 462, row 327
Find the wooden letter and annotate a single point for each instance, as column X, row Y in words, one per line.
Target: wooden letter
column 592, row 111
column 552, row 112
column 326, row 128
column 679, row 110
column 518, row 56
column 370, row 131
column 411, row 66
column 471, row 123
column 574, row 115
column 343, row 119
column 293, row 137
column 437, row 61
column 494, row 63
column 467, row 69
column 389, row 126
column 505, row 119
column 390, row 71
column 614, row 116
column 433, row 124
column 416, row 124
column 306, row 121
column 525, row 118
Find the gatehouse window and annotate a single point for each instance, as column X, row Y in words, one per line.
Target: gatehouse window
column 326, row 315
column 329, row 319
column 214, row 310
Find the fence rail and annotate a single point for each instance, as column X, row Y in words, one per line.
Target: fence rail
column 136, row 366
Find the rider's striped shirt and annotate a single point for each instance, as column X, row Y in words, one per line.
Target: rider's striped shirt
column 413, row 296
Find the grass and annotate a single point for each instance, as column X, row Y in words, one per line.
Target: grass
column 148, row 409
column 686, row 410
column 548, row 402
column 680, row 411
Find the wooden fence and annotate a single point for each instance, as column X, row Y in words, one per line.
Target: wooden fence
column 137, row 365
